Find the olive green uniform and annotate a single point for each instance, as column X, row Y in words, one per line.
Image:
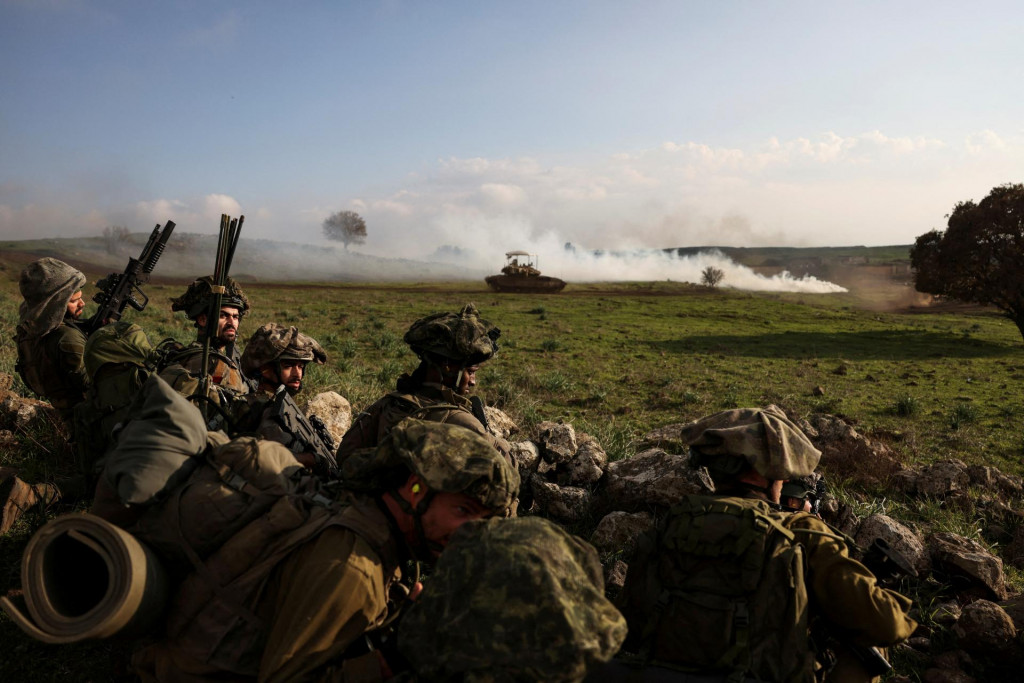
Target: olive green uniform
column 433, row 402
column 54, row 362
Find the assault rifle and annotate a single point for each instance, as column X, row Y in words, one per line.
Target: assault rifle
column 310, row 434
column 230, row 229
column 119, row 290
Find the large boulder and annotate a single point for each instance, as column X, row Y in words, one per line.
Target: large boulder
column 967, row 565
column 668, row 438
column 618, row 531
column 984, row 628
column 499, row 423
column 587, row 465
column 526, row 456
column 557, row 442
column 561, row 503
column 335, row 412
column 900, row 538
column 941, row 479
column 651, row 478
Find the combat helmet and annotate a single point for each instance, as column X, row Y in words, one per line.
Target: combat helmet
column 761, row 438
column 273, row 343
column 196, row 298
column 447, row 457
column 463, row 337
column 521, row 600
column 46, row 285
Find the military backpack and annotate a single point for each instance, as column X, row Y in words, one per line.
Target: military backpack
column 719, row 588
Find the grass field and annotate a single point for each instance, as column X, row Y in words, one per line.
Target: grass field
column 618, row 360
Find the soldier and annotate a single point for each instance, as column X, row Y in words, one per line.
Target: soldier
column 329, row 590
column 50, row 344
column 451, row 348
column 520, row 600
column 277, row 356
column 224, row 369
column 733, row 564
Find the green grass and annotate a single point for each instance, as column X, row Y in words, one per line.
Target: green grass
column 617, row 360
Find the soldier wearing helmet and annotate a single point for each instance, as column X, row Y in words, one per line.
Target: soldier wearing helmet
column 451, row 348
column 50, row 344
column 278, row 356
column 317, row 600
column 410, row 495
column 181, row 366
column 804, row 571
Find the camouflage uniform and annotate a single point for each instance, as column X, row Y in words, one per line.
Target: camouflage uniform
column 50, row 344
column 317, row 604
column 270, row 344
column 461, row 337
column 519, row 600
column 183, row 366
column 842, row 591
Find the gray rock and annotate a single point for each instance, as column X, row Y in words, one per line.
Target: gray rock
column 847, row 453
column 947, row 676
column 587, row 466
column 562, row 503
column 525, row 455
column 668, row 438
column 618, row 531
column 947, row 613
column 846, row 520
column 653, row 477
column 500, row 424
column 967, row 560
column 20, row 413
column 615, row 577
column 335, row 410
column 942, row 479
column 985, row 628
column 900, row 538
column 920, row 643
column 992, row 479
column 557, row 442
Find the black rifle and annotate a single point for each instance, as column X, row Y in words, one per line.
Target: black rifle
column 119, row 290
column 310, row 434
column 230, row 229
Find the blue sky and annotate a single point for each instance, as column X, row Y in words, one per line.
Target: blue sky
column 503, row 125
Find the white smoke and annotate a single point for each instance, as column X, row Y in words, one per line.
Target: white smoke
column 577, row 266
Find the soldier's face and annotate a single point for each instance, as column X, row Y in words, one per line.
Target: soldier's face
column 227, row 326
column 446, row 513
column 76, row 305
column 292, row 372
column 466, row 381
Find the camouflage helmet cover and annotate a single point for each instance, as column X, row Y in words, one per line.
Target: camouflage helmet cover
column 521, row 599
column 462, row 336
column 765, row 438
column 274, row 342
column 197, row 297
column 447, row 457
column 47, row 286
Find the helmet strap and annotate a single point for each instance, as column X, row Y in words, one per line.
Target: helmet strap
column 423, row 543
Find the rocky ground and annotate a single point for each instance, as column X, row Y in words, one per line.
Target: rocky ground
column 970, row 618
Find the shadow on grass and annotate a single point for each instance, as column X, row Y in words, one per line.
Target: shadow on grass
column 867, row 345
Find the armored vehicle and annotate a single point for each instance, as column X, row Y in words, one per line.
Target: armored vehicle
column 520, row 274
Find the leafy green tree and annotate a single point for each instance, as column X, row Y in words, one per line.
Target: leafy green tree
column 347, row 227
column 980, row 256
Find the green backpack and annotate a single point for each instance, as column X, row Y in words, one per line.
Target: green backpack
column 116, row 358
column 719, row 587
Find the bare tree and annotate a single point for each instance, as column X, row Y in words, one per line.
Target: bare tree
column 711, row 276
column 347, row 227
column 114, row 237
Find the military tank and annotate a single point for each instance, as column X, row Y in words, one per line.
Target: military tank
column 520, row 274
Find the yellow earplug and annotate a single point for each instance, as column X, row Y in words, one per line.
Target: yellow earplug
column 415, row 488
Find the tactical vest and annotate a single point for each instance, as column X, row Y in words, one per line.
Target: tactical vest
column 719, row 588
column 105, row 406
column 40, row 368
column 223, row 370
